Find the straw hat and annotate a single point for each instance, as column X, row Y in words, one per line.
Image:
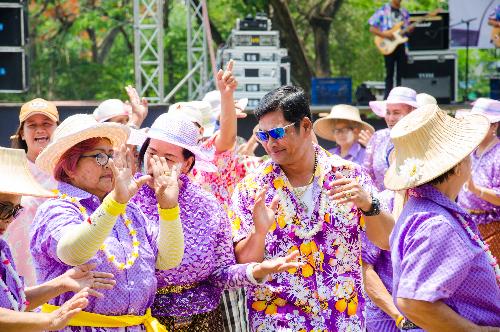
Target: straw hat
column 181, row 132
column 490, row 108
column 324, row 127
column 398, row 95
column 195, row 111
column 38, row 106
column 428, row 143
column 16, row 178
column 75, row 129
column 425, row 99
column 109, row 109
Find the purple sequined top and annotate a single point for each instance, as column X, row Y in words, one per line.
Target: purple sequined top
column 377, row 153
column 355, row 154
column 208, row 258
column 485, row 173
column 135, row 287
column 8, row 279
column 435, row 259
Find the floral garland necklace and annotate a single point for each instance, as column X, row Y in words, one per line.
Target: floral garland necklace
column 132, row 257
column 485, row 247
column 19, row 285
column 301, row 230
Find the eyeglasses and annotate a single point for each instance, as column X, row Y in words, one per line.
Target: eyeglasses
column 101, row 158
column 276, row 133
column 342, row 130
column 7, row 210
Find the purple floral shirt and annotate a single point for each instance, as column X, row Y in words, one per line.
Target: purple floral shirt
column 377, row 153
column 208, row 255
column 485, row 173
column 384, row 20
column 326, row 293
column 434, row 259
column 135, row 288
column 356, row 153
column 8, row 279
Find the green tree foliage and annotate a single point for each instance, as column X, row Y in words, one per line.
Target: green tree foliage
column 83, row 50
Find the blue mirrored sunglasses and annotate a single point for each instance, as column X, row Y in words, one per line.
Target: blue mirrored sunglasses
column 276, row 133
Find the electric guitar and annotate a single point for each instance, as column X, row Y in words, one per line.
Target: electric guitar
column 387, row 46
column 495, row 37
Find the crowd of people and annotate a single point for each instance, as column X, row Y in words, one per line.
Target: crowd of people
column 107, row 226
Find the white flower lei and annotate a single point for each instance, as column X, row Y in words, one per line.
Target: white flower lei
column 10, row 269
column 412, row 169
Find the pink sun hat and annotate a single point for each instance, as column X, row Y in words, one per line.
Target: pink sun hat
column 490, row 108
column 182, row 132
column 398, row 95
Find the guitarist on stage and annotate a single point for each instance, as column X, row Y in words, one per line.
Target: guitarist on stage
column 494, row 21
column 383, row 20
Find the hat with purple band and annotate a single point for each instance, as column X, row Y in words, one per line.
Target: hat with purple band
column 398, row 95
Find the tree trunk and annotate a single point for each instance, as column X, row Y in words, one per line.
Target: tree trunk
column 301, row 69
column 320, row 19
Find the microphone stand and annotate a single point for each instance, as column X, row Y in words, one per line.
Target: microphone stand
column 467, row 23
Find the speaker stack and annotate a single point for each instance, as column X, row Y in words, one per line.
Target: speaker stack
column 432, row 66
column 13, row 45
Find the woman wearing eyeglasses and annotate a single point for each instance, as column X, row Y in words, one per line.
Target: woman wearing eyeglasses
column 188, row 296
column 343, row 126
column 38, row 119
column 16, row 299
column 93, row 221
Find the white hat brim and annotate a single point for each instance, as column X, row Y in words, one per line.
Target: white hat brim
column 379, row 107
column 49, row 157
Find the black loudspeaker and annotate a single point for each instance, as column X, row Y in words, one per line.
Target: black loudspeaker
column 431, row 34
column 13, row 24
column 433, row 73
column 13, row 71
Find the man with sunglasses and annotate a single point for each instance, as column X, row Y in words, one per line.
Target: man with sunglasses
column 305, row 199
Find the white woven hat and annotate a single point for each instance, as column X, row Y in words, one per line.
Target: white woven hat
column 324, row 127
column 425, row 99
column 195, row 111
column 182, row 132
column 398, row 95
column 15, row 176
column 428, row 143
column 490, row 108
column 109, row 109
column 75, row 129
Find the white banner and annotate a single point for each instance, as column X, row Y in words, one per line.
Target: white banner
column 477, row 12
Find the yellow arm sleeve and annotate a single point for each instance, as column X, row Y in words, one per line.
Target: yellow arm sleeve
column 80, row 243
column 170, row 239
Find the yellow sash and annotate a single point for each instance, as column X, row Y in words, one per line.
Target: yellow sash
column 84, row 318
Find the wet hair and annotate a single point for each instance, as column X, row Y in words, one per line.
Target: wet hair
column 70, row 158
column 291, row 100
column 185, row 153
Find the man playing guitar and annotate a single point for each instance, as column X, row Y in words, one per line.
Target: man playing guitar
column 494, row 21
column 384, row 19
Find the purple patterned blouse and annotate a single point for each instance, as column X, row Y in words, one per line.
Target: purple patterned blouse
column 135, row 288
column 376, row 160
column 485, row 173
column 326, row 293
column 434, row 259
column 376, row 318
column 356, row 153
column 208, row 258
column 7, row 278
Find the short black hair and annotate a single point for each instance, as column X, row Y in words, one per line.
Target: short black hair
column 185, row 153
column 291, row 100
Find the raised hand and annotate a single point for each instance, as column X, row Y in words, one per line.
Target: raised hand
column 364, row 137
column 59, row 318
column 277, row 265
column 165, row 182
column 263, row 216
column 345, row 190
column 139, row 107
column 226, row 82
column 125, row 184
column 84, row 276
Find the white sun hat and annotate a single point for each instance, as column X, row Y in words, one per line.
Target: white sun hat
column 109, row 109
column 428, row 143
column 398, row 95
column 75, row 129
column 490, row 108
column 182, row 132
column 425, row 99
column 15, row 176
